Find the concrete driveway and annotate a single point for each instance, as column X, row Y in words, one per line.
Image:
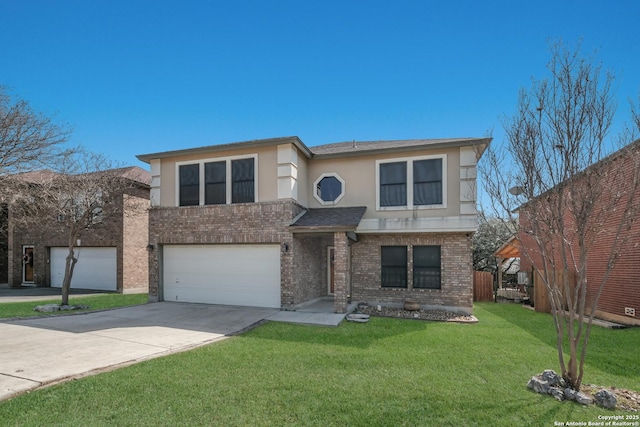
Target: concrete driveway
column 37, row 352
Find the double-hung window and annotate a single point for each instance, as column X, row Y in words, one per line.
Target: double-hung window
column 394, row 266
column 189, row 185
column 426, row 267
column 411, row 183
column 215, row 183
column 224, row 181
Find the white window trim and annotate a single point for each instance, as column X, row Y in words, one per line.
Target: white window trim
column 409, row 161
column 330, row 202
column 228, row 160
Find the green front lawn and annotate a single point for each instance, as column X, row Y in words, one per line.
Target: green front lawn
column 386, row 372
column 97, row 302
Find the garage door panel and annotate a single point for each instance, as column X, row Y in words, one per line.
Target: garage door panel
column 96, row 268
column 246, row 275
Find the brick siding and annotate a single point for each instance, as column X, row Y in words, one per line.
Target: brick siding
column 310, row 267
column 225, row 224
column 130, row 275
column 456, row 271
column 622, row 288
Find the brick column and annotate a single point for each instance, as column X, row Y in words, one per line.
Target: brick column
column 341, row 266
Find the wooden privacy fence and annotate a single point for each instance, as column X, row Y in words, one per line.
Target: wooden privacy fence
column 541, row 299
column 482, row 286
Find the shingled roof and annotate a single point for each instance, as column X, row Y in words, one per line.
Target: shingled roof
column 342, row 149
column 339, row 149
column 330, row 219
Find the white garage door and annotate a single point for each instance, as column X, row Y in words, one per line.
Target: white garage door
column 96, row 268
column 247, row 275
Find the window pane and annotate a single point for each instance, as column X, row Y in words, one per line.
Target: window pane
column 242, row 181
column 427, row 182
column 393, row 184
column 394, row 266
column 426, row 267
column 329, row 188
column 215, row 185
column 189, row 185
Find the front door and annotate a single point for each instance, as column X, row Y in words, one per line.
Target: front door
column 331, row 255
column 27, row 264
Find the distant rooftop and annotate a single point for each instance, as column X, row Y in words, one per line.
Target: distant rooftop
column 134, row 173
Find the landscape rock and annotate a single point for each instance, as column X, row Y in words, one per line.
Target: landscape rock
column 355, row 317
column 606, row 399
column 553, row 379
column 578, row 397
column 538, row 385
column 50, row 308
column 400, row 312
column 557, row 393
column 47, row 308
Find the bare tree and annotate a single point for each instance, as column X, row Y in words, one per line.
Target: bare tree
column 28, row 141
column 556, row 172
column 86, row 194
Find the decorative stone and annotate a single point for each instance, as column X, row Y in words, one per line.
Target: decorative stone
column 553, row 379
column 47, row 308
column 361, row 318
column 50, row 308
column 538, row 385
column 606, row 399
column 578, row 397
column 557, row 393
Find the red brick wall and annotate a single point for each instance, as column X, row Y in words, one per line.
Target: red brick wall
column 456, row 273
column 622, row 288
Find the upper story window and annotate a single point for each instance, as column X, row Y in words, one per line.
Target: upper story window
column 228, row 180
column 329, row 188
column 411, row 183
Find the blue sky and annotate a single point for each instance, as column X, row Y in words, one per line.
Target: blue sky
column 134, row 77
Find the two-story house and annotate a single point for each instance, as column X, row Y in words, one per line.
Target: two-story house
column 274, row 223
column 112, row 254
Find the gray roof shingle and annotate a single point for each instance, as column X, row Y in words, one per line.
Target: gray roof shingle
column 360, row 147
column 330, row 219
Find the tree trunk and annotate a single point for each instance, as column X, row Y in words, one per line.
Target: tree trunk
column 70, row 264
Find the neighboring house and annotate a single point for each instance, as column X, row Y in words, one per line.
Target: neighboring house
column 620, row 299
column 274, row 223
column 112, row 255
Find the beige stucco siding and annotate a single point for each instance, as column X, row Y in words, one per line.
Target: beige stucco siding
column 266, row 169
column 359, row 174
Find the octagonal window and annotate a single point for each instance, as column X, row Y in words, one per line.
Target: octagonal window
column 329, row 189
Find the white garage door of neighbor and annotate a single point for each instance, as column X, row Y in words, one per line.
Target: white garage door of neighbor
column 96, row 268
column 247, row 275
